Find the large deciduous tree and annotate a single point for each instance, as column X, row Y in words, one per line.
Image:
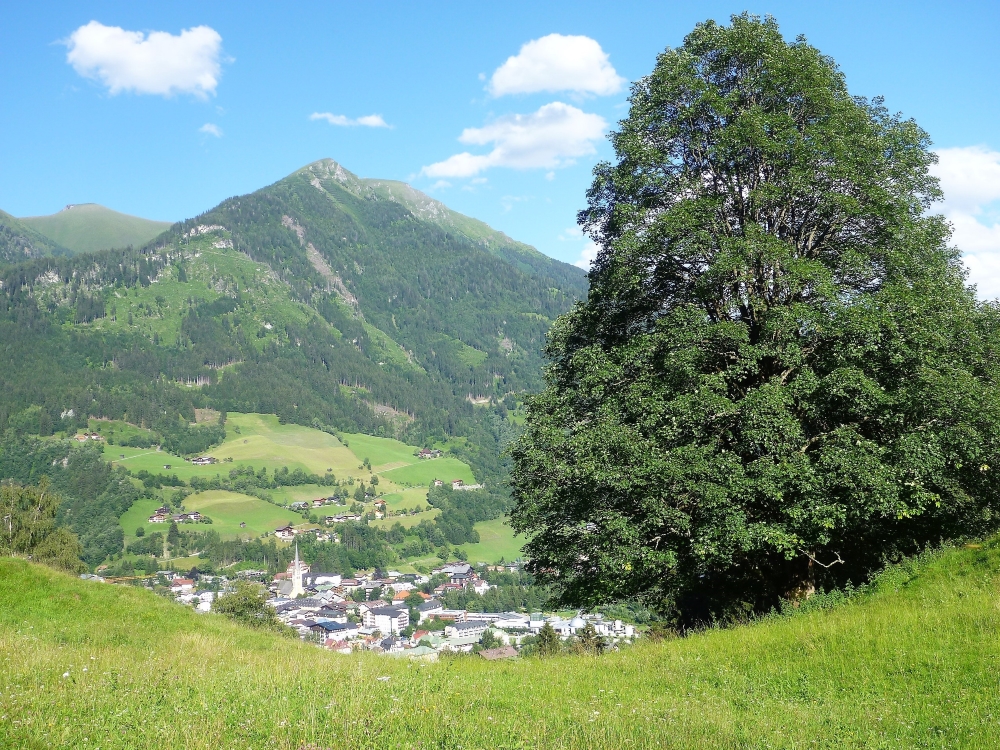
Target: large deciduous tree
column 779, row 378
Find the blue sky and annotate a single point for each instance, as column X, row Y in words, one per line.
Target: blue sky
column 220, row 101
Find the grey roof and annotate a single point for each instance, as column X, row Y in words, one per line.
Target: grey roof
column 475, row 624
column 429, row 605
column 387, row 611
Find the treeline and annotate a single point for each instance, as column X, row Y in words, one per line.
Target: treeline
column 462, row 509
column 92, row 494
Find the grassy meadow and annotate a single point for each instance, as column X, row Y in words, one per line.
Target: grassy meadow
column 229, row 509
column 260, row 440
column 913, row 664
column 496, row 540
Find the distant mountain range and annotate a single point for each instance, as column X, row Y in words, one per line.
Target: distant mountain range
column 328, row 299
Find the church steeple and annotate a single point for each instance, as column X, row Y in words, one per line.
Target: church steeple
column 297, row 589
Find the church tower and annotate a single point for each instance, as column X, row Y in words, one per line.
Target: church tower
column 297, row 589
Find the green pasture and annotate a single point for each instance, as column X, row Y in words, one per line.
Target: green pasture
column 422, row 472
column 138, row 515
column 406, row 521
column 155, row 462
column 405, row 499
column 496, row 540
column 301, row 493
column 912, row 664
column 263, row 441
column 260, row 440
column 384, row 453
column 228, row 509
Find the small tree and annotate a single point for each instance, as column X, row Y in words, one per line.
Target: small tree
column 140, row 532
column 491, row 640
column 548, row 643
column 247, row 605
column 588, row 641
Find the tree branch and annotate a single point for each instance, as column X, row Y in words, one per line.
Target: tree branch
column 838, row 560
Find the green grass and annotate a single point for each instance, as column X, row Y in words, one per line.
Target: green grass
column 138, row 515
column 89, row 227
column 426, row 471
column 496, row 540
column 229, row 509
column 406, row 521
column 406, row 499
column 384, row 453
column 912, row 665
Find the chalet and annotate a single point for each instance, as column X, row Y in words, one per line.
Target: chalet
column 456, row 483
column 299, row 505
column 158, row 518
column 204, row 461
column 438, row 483
column 387, row 619
column 181, row 585
column 452, row 568
column 428, row 453
column 345, row 517
column 285, row 533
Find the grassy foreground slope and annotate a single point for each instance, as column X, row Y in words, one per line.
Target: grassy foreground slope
column 913, row 664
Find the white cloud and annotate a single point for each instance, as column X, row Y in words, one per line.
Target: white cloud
column 970, row 179
column 557, row 63
column 587, row 256
column 155, row 63
column 367, row 121
column 211, row 129
column 551, row 137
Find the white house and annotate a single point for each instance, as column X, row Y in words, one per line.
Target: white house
column 466, row 629
column 387, row 620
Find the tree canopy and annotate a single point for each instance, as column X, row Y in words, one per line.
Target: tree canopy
column 779, row 378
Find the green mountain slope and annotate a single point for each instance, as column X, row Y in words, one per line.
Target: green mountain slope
column 424, row 207
column 88, row 227
column 911, row 664
column 324, row 305
column 19, row 242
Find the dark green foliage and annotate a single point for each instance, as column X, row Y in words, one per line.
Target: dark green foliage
column 588, row 642
column 778, row 378
column 547, row 643
column 247, row 605
column 93, row 495
column 151, row 545
column 29, row 527
column 18, row 242
column 460, row 510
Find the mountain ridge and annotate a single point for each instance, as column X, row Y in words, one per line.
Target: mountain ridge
column 336, row 307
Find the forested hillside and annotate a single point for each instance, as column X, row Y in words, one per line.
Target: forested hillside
column 321, row 298
column 19, row 242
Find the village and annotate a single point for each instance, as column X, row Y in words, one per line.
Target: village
column 401, row 618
